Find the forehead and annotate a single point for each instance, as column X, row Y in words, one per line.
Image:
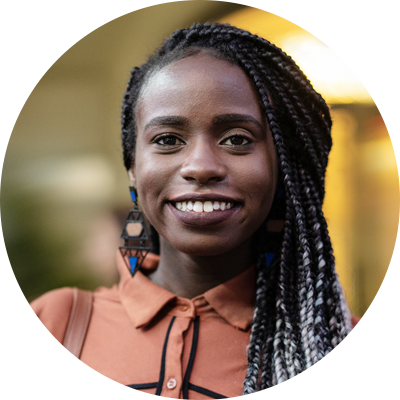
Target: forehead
column 198, row 81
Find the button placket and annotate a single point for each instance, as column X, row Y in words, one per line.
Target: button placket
column 173, row 366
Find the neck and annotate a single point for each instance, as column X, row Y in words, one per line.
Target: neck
column 189, row 276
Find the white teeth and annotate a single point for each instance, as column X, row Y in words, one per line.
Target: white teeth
column 198, row 206
column 208, row 206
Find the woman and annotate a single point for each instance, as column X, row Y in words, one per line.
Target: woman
column 226, row 144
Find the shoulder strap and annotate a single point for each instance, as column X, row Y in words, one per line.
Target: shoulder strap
column 78, row 321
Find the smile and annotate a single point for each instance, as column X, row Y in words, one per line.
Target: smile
column 203, row 206
column 203, row 212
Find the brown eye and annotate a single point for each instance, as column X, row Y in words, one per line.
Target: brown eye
column 168, row 141
column 236, row 141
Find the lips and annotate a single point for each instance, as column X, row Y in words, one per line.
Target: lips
column 203, row 210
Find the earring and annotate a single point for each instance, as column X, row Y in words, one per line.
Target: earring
column 274, row 227
column 135, row 236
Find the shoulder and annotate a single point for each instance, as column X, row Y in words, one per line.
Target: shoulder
column 55, row 305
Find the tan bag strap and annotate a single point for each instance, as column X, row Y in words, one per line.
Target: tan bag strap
column 78, row 321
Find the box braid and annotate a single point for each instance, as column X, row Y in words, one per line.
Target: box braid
column 300, row 313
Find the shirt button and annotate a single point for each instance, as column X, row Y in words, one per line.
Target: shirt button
column 171, row 384
column 184, row 307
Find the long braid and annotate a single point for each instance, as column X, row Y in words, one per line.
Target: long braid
column 258, row 332
column 320, row 321
column 307, row 309
column 268, row 377
column 339, row 321
column 283, row 334
column 306, row 281
column 300, row 312
column 309, row 145
column 306, row 296
column 302, row 251
column 301, row 119
column 285, row 304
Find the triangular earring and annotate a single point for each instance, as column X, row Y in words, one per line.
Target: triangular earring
column 135, row 237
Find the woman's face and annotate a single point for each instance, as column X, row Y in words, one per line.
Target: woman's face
column 203, row 143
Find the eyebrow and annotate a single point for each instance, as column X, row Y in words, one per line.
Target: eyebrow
column 229, row 118
column 173, row 120
column 168, row 120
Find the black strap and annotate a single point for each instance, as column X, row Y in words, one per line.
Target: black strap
column 78, row 322
column 138, row 386
column 206, row 392
column 162, row 370
column 185, row 385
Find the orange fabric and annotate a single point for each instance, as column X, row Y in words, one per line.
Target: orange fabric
column 127, row 331
column 129, row 324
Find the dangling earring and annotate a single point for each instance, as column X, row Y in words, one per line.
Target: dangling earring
column 135, row 237
column 274, row 226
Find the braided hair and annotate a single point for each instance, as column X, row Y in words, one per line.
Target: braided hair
column 300, row 313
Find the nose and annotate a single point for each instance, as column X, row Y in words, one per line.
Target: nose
column 203, row 163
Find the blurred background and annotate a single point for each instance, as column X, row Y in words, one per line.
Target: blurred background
column 65, row 190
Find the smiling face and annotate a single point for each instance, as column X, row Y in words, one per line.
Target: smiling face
column 205, row 165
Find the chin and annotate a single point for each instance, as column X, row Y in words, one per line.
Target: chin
column 204, row 247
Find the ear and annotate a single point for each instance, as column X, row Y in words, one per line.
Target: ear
column 132, row 177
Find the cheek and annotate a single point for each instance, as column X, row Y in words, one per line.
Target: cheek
column 148, row 179
column 258, row 181
column 148, row 187
column 152, row 177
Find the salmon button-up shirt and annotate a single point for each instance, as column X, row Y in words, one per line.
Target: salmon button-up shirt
column 145, row 337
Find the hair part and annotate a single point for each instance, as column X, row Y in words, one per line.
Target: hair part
column 300, row 313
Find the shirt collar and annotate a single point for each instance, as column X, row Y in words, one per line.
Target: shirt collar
column 143, row 300
column 234, row 300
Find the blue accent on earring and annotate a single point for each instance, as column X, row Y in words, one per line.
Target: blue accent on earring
column 133, row 262
column 133, row 196
column 268, row 258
